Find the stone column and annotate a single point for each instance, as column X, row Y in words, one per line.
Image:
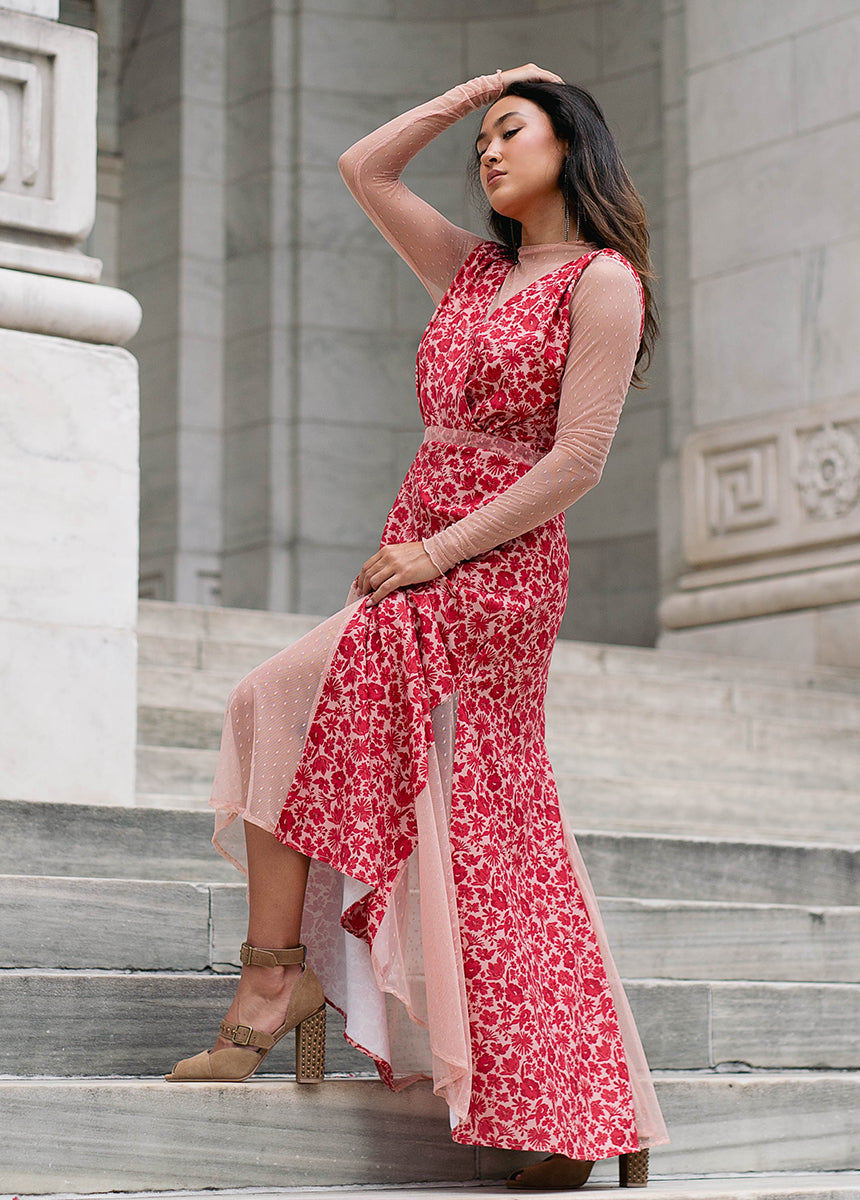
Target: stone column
column 171, row 256
column 767, row 559
column 260, row 350
column 68, row 436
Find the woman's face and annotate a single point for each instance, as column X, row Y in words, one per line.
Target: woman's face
column 520, row 156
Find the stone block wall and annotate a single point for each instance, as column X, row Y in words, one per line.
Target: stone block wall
column 769, row 273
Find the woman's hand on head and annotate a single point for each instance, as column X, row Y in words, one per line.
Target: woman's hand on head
column 395, row 566
column 529, row 72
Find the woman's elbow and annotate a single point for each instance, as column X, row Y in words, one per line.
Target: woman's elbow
column 590, row 477
column 346, row 164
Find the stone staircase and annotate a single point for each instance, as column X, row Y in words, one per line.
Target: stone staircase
column 716, row 805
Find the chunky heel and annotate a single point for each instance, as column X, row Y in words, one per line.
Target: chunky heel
column 310, row 1048
column 305, row 1014
column 633, row 1169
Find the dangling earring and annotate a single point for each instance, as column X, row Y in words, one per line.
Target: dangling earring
column 577, row 220
column 567, row 217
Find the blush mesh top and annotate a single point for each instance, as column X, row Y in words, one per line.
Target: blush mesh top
column 606, row 309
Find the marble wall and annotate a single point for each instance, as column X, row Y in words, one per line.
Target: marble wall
column 68, row 606
column 762, row 130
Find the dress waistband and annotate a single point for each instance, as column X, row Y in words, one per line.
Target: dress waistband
column 484, row 441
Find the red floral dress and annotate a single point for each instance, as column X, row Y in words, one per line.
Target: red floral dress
column 546, row 1061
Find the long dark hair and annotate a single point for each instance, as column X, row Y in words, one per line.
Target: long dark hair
column 599, row 192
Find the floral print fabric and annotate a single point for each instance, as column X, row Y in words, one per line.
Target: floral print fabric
column 548, row 1064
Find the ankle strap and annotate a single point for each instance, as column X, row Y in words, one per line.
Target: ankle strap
column 257, row 957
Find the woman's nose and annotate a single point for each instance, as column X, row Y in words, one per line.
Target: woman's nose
column 490, row 155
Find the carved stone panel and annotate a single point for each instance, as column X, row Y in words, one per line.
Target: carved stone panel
column 772, row 485
column 48, row 77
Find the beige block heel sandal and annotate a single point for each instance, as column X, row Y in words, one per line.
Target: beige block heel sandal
column 560, row 1174
column 305, row 1014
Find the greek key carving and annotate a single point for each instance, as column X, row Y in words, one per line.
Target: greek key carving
column 782, row 483
column 741, row 489
column 828, row 476
column 28, row 133
column 48, row 76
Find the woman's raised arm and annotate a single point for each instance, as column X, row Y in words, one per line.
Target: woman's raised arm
column 428, row 242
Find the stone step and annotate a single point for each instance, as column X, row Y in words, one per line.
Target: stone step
column 679, row 868
column 683, row 939
column 739, row 741
column 199, row 622
column 810, row 1185
column 692, row 762
column 121, row 1023
column 60, row 922
column 272, row 631
column 151, row 843
column 674, row 806
column 175, row 769
column 202, row 680
column 41, row 838
column 229, row 659
column 183, row 770
column 103, row 1023
column 670, row 695
column 353, row 1132
column 176, row 689
column 702, row 807
column 176, row 720
column 594, row 658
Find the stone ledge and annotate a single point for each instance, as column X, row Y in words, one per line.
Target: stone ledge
column 41, row 837
column 798, row 1121
column 62, row 922
column 763, row 597
column 66, row 1023
column 813, row 1185
column 67, row 308
column 49, row 260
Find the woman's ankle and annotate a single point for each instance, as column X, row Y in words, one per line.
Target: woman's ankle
column 268, row 981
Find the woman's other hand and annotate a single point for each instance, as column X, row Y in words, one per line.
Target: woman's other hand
column 395, row 566
column 529, row 71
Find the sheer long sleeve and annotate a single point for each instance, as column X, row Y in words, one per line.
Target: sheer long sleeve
column 429, row 243
column 606, row 315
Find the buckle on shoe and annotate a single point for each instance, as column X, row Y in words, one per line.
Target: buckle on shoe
column 241, row 1034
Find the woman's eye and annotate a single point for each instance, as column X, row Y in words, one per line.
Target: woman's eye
column 509, row 133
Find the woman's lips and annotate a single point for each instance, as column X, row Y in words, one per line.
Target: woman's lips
column 493, row 176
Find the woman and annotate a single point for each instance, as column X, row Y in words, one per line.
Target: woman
column 398, row 808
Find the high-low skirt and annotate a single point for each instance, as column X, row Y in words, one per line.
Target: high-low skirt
column 448, row 914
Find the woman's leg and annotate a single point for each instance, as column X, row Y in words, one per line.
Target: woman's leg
column 277, row 877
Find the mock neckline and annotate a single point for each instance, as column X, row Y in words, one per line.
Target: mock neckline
column 545, row 247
